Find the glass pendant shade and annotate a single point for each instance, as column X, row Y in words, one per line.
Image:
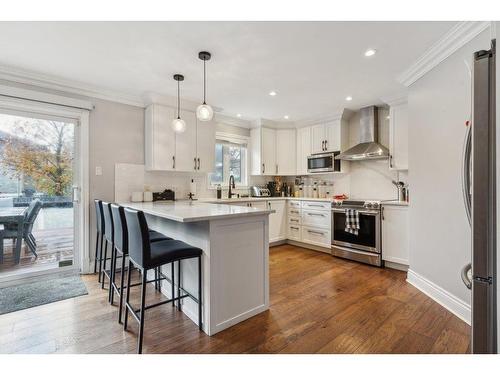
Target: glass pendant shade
column 204, row 112
column 179, row 125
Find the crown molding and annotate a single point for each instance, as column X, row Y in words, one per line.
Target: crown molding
column 395, row 99
column 229, row 120
column 342, row 114
column 458, row 36
column 26, row 77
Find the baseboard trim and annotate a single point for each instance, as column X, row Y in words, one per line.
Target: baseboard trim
column 450, row 302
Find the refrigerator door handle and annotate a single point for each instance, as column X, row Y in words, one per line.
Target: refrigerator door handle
column 466, row 173
column 465, row 275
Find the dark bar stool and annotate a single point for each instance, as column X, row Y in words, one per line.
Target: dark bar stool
column 99, row 236
column 120, row 250
column 146, row 255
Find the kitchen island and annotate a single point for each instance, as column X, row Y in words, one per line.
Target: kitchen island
column 235, row 262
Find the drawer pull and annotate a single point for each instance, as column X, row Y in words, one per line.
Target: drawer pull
column 313, row 214
column 294, row 211
column 315, row 232
column 294, row 228
column 295, row 220
column 315, row 205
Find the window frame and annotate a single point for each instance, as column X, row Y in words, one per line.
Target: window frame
column 238, row 140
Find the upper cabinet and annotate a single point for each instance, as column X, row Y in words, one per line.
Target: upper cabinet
column 328, row 137
column 398, row 135
column 303, row 149
column 285, row 152
column 191, row 151
column 272, row 151
column 159, row 138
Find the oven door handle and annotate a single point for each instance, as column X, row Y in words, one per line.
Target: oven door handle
column 372, row 213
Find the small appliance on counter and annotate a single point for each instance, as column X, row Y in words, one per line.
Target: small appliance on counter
column 260, row 192
column 165, row 195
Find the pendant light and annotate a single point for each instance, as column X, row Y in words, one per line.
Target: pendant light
column 178, row 124
column 204, row 112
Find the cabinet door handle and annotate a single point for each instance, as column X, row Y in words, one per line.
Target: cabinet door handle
column 326, row 145
column 322, row 145
column 199, row 163
column 315, row 232
column 390, row 161
column 382, row 212
column 173, row 162
column 263, row 168
column 194, row 163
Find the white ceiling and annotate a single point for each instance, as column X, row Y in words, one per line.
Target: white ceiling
column 312, row 65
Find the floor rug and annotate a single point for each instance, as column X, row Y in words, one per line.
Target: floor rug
column 24, row 296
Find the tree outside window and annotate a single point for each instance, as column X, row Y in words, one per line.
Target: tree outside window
column 230, row 159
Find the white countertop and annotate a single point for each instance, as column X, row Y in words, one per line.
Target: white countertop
column 190, row 211
column 252, row 199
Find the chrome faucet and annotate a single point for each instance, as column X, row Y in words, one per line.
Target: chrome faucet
column 231, row 186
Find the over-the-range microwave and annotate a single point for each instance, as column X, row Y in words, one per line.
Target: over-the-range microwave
column 323, row 163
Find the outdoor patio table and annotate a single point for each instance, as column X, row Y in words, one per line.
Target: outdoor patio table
column 14, row 215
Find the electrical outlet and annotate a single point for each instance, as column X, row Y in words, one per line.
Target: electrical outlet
column 98, row 171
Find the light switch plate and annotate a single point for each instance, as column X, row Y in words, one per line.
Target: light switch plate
column 98, row 171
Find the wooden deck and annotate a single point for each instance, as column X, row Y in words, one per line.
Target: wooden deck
column 53, row 246
column 319, row 304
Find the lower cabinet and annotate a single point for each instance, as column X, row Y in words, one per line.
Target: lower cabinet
column 277, row 220
column 316, row 236
column 395, row 234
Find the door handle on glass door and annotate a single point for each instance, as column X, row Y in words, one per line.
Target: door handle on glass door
column 76, row 194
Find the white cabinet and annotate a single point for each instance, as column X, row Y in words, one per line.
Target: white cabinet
column 193, row 150
column 303, row 149
column 286, row 149
column 318, row 137
column 272, row 151
column 398, row 136
column 395, row 234
column 185, row 144
column 269, row 151
column 316, row 236
column 329, row 137
column 205, row 146
column 159, row 138
column 277, row 220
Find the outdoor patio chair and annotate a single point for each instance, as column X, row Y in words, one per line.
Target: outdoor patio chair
column 29, row 219
column 31, row 215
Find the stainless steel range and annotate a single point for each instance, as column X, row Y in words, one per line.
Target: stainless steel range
column 366, row 246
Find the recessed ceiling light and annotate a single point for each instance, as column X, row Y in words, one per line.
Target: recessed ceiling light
column 286, row 117
column 273, row 93
column 348, row 98
column 238, row 115
column 370, row 52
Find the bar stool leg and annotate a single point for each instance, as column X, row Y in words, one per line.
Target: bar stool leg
column 114, row 254
column 104, row 262
column 122, row 281
column 96, row 251
column 143, row 310
column 129, row 274
column 173, row 282
column 199, row 295
column 179, row 276
column 159, row 277
column 100, row 256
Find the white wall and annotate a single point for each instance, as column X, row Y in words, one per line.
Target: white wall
column 439, row 231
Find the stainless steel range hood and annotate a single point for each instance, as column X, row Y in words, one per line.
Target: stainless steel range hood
column 368, row 147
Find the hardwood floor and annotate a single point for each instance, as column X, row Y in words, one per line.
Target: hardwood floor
column 319, row 304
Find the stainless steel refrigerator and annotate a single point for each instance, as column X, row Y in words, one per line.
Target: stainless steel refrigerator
column 479, row 183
